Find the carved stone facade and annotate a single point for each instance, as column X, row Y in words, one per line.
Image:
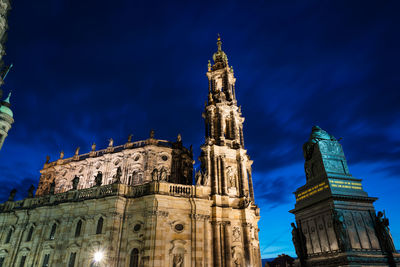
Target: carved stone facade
column 336, row 221
column 136, row 204
column 133, row 163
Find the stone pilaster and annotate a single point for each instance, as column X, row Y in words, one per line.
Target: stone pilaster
column 247, row 243
column 217, row 243
column 223, row 175
column 228, row 243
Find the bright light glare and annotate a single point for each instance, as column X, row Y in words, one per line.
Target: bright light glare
column 98, row 256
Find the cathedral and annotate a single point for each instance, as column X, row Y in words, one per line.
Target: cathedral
column 135, row 204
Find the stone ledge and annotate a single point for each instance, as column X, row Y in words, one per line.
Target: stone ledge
column 96, row 192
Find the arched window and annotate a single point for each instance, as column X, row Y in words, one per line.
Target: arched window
column 78, row 228
column 22, row 262
column 46, row 260
column 134, row 260
column 30, row 233
column 71, row 262
column 99, row 228
column 8, row 238
column 53, row 231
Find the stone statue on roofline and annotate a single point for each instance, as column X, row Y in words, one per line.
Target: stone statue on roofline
column 77, row 151
column 30, row 191
column 13, row 192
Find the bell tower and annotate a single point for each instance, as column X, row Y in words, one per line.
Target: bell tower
column 226, row 170
column 225, row 165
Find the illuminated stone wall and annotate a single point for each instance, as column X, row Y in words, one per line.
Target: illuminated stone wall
column 140, row 162
column 163, row 221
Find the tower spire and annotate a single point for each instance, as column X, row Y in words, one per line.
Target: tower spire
column 224, row 134
column 219, row 43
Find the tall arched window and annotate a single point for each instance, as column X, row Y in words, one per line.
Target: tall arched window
column 30, row 233
column 134, row 260
column 22, row 261
column 53, row 231
column 99, row 228
column 78, row 228
column 71, row 262
column 9, row 235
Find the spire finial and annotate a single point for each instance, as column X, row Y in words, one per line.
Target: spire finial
column 219, row 43
column 7, row 100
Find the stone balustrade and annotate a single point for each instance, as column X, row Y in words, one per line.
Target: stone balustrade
column 155, row 187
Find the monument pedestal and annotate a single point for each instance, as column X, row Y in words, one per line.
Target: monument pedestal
column 336, row 221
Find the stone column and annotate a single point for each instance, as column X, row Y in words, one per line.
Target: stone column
column 235, row 126
column 217, row 159
column 215, row 176
column 223, row 176
column 217, row 243
column 247, row 245
column 222, row 125
column 241, row 136
column 251, row 186
column 212, row 130
column 208, row 167
column 207, row 252
column 227, row 241
column 242, row 177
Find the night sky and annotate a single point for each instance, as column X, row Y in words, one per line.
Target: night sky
column 86, row 71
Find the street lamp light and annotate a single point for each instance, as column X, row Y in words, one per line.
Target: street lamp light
column 98, row 256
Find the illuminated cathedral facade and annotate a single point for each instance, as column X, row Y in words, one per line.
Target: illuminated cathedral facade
column 135, row 205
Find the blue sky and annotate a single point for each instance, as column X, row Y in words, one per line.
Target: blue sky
column 85, row 71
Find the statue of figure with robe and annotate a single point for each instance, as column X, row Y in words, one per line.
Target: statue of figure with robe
column 154, row 175
column 118, row 176
column 178, row 260
column 383, row 233
column 299, row 243
column 98, row 179
column 341, row 231
column 75, row 183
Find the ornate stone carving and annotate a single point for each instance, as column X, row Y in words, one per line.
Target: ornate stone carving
column 236, row 234
column 178, row 260
column 157, row 213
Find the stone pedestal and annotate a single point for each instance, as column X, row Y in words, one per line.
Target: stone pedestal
column 336, row 220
